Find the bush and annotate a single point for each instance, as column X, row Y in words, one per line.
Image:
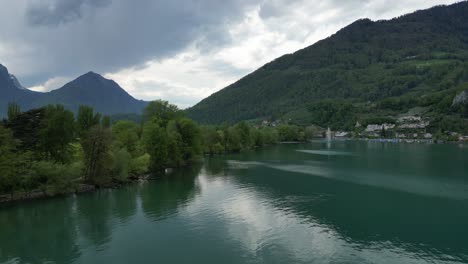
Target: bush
column 140, row 165
column 54, row 178
column 122, row 165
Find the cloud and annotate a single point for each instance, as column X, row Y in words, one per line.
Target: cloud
column 68, row 38
column 51, row 84
column 176, row 50
column 174, row 79
column 55, row 12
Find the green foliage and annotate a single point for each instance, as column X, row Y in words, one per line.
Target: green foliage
column 169, row 138
column 140, row 165
column 13, row 111
column 289, row 133
column 161, row 111
column 136, row 118
column 270, row 135
column 56, row 134
column 444, row 123
column 106, row 122
column 190, row 139
column 313, row 131
column 122, row 165
column 26, row 128
column 212, row 140
column 125, row 135
column 155, row 140
column 9, row 178
column 335, row 114
column 175, row 144
column 236, row 138
column 98, row 162
column 243, row 130
column 232, row 140
column 86, row 119
column 55, row 178
column 45, row 150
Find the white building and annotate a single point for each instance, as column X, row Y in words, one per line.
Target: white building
column 377, row 128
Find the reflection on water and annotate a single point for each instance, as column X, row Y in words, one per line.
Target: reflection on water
column 378, row 203
column 326, row 152
column 32, row 234
column 172, row 191
column 439, row 187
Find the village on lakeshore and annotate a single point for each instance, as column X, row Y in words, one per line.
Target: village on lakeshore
column 409, row 129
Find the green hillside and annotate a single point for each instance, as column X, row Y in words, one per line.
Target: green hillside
column 366, row 70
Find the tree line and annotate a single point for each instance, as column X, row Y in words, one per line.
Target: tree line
column 54, row 151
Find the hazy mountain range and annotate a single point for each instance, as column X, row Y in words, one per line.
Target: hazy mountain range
column 91, row 89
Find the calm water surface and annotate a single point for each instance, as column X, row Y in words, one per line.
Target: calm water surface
column 346, row 202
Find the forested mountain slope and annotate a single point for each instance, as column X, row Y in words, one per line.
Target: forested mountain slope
column 380, row 68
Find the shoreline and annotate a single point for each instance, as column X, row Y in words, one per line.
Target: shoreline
column 394, row 140
column 81, row 188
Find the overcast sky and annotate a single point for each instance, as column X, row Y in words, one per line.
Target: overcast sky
column 176, row 50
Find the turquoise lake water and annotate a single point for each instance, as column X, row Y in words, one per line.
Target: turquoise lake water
column 342, row 202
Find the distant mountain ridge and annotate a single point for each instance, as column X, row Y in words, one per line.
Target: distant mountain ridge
column 384, row 67
column 12, row 91
column 104, row 95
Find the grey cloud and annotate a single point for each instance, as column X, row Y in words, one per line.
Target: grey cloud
column 122, row 34
column 41, row 39
column 55, row 12
column 150, row 90
column 275, row 8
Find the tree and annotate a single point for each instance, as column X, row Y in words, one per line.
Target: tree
column 122, row 165
column 191, row 140
column 383, row 133
column 106, row 121
column 86, row 119
column 175, row 145
column 125, row 135
column 161, row 111
column 233, row 141
column 57, row 132
column 288, row 132
column 257, row 137
column 155, row 141
column 243, row 131
column 140, row 165
column 97, row 159
column 13, row 111
column 270, row 135
column 26, row 127
column 311, row 131
column 9, row 180
column 212, row 140
column 54, row 178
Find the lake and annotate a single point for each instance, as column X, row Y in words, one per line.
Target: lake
column 342, row 202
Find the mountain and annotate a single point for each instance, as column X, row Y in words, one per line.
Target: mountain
column 91, row 89
column 373, row 68
column 16, row 83
column 12, row 91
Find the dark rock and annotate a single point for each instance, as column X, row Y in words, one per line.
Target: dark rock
column 83, row 188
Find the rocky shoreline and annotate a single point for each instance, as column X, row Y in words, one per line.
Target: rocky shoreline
column 81, row 188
